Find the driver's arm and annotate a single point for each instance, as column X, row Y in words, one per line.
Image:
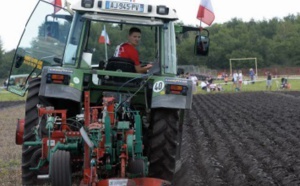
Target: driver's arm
column 144, row 69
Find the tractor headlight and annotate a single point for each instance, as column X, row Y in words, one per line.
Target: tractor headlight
column 87, row 3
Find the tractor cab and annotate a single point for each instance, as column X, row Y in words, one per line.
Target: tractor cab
column 86, row 37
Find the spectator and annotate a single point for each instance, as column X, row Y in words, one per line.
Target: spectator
column 180, row 72
column 187, row 75
column 210, row 80
column 203, row 85
column 269, row 81
column 195, row 82
column 225, row 79
column 240, row 80
column 285, row 84
column 235, row 80
column 251, row 74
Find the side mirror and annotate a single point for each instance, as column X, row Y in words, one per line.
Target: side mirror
column 19, row 58
column 52, row 29
column 19, row 61
column 201, row 45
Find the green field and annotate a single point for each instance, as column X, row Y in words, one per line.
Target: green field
column 7, row 96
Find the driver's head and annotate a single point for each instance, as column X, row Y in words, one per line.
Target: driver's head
column 134, row 36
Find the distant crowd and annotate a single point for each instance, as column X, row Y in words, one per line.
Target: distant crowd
column 237, row 79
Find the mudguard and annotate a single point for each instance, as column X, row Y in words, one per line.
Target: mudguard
column 71, row 91
column 164, row 97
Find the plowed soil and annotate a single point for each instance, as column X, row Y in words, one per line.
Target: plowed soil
column 241, row 139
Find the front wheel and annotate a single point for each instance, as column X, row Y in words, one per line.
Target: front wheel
column 163, row 142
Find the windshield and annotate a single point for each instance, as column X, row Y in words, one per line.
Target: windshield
column 105, row 37
column 42, row 42
column 157, row 44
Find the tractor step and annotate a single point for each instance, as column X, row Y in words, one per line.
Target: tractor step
column 43, row 177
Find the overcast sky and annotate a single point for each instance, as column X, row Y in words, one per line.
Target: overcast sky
column 14, row 13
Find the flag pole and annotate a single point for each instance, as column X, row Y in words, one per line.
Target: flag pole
column 105, row 43
column 200, row 26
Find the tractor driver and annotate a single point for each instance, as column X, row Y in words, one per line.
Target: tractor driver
column 128, row 50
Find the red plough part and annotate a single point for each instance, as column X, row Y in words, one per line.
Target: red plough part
column 20, row 131
column 90, row 173
column 93, row 156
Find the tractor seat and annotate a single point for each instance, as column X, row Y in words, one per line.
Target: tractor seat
column 120, row 65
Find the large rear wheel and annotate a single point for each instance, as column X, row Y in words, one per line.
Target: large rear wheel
column 29, row 177
column 163, row 142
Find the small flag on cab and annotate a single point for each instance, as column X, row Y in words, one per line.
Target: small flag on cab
column 57, row 4
column 104, row 37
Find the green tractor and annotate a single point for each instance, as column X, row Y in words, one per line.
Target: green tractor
column 88, row 117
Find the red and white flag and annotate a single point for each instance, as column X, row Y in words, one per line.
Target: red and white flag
column 104, row 37
column 206, row 12
column 57, row 4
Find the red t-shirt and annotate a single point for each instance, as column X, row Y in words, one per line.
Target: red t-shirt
column 126, row 50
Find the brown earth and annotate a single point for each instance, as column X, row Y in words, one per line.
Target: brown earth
column 9, row 104
column 10, row 153
column 240, row 139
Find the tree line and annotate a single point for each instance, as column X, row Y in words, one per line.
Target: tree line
column 273, row 42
